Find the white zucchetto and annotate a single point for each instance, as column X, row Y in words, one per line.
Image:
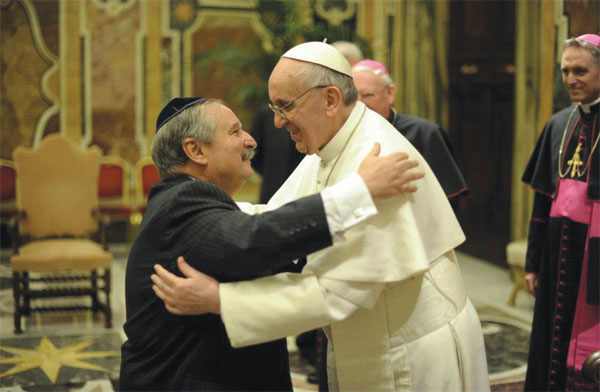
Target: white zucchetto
column 322, row 54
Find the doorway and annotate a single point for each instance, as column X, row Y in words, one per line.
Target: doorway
column 481, row 78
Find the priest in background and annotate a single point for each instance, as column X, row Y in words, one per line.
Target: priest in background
column 562, row 255
column 376, row 89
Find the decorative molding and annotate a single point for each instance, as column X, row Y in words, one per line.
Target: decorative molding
column 140, row 103
column 86, row 78
column 361, row 19
column 183, row 13
column 247, row 4
column 336, row 15
column 212, row 17
column 379, row 41
column 390, row 7
column 47, row 94
column 561, row 21
column 169, row 78
column 114, row 7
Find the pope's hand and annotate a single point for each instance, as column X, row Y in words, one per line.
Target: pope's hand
column 197, row 293
column 390, row 175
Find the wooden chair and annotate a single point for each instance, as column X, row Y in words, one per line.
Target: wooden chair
column 114, row 201
column 60, row 245
column 8, row 178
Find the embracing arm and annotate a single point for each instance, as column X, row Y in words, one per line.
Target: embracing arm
column 264, row 309
column 283, row 305
column 225, row 240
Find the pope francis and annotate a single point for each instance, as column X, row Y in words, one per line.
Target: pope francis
column 390, row 295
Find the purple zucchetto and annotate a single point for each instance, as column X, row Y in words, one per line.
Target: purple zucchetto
column 174, row 107
column 370, row 64
column 592, row 39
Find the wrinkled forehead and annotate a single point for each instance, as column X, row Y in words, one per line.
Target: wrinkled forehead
column 365, row 75
column 222, row 115
column 576, row 55
column 284, row 78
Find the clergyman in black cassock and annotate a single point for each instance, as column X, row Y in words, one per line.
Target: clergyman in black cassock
column 563, row 244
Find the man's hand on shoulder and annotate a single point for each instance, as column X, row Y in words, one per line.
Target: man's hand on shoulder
column 195, row 294
column 390, row 175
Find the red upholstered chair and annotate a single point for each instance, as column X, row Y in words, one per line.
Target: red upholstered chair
column 146, row 175
column 113, row 187
column 8, row 178
column 114, row 201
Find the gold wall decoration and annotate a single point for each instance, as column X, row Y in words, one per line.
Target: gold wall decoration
column 114, row 7
column 48, row 87
column 71, row 69
column 110, row 79
column 149, row 81
column 242, row 27
column 28, row 78
column 336, row 12
column 248, row 4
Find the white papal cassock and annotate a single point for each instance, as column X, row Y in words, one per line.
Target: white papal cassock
column 391, row 296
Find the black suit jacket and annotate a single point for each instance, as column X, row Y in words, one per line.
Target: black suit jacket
column 200, row 221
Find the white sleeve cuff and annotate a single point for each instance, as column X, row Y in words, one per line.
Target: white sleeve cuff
column 346, row 204
column 252, row 209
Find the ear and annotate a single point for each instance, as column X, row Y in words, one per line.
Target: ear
column 194, row 150
column 391, row 94
column 334, row 100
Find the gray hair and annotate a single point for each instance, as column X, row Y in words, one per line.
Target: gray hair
column 317, row 75
column 349, row 50
column 574, row 42
column 167, row 149
column 385, row 78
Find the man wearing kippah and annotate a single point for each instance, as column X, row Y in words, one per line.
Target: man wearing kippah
column 391, row 297
column 203, row 156
column 563, row 255
column 376, row 89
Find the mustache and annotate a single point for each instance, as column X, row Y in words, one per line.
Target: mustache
column 248, row 154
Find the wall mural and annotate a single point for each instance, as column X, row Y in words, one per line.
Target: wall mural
column 119, row 42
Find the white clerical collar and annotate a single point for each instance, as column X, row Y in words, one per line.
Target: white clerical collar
column 336, row 145
column 586, row 106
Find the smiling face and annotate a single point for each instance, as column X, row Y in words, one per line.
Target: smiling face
column 581, row 76
column 228, row 156
column 305, row 119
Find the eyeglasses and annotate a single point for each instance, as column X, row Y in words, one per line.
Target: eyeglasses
column 281, row 110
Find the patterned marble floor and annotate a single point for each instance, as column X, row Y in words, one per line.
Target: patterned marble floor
column 73, row 352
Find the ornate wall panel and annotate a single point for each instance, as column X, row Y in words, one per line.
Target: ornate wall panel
column 203, row 28
column 28, row 80
column 241, row 30
column 111, row 82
